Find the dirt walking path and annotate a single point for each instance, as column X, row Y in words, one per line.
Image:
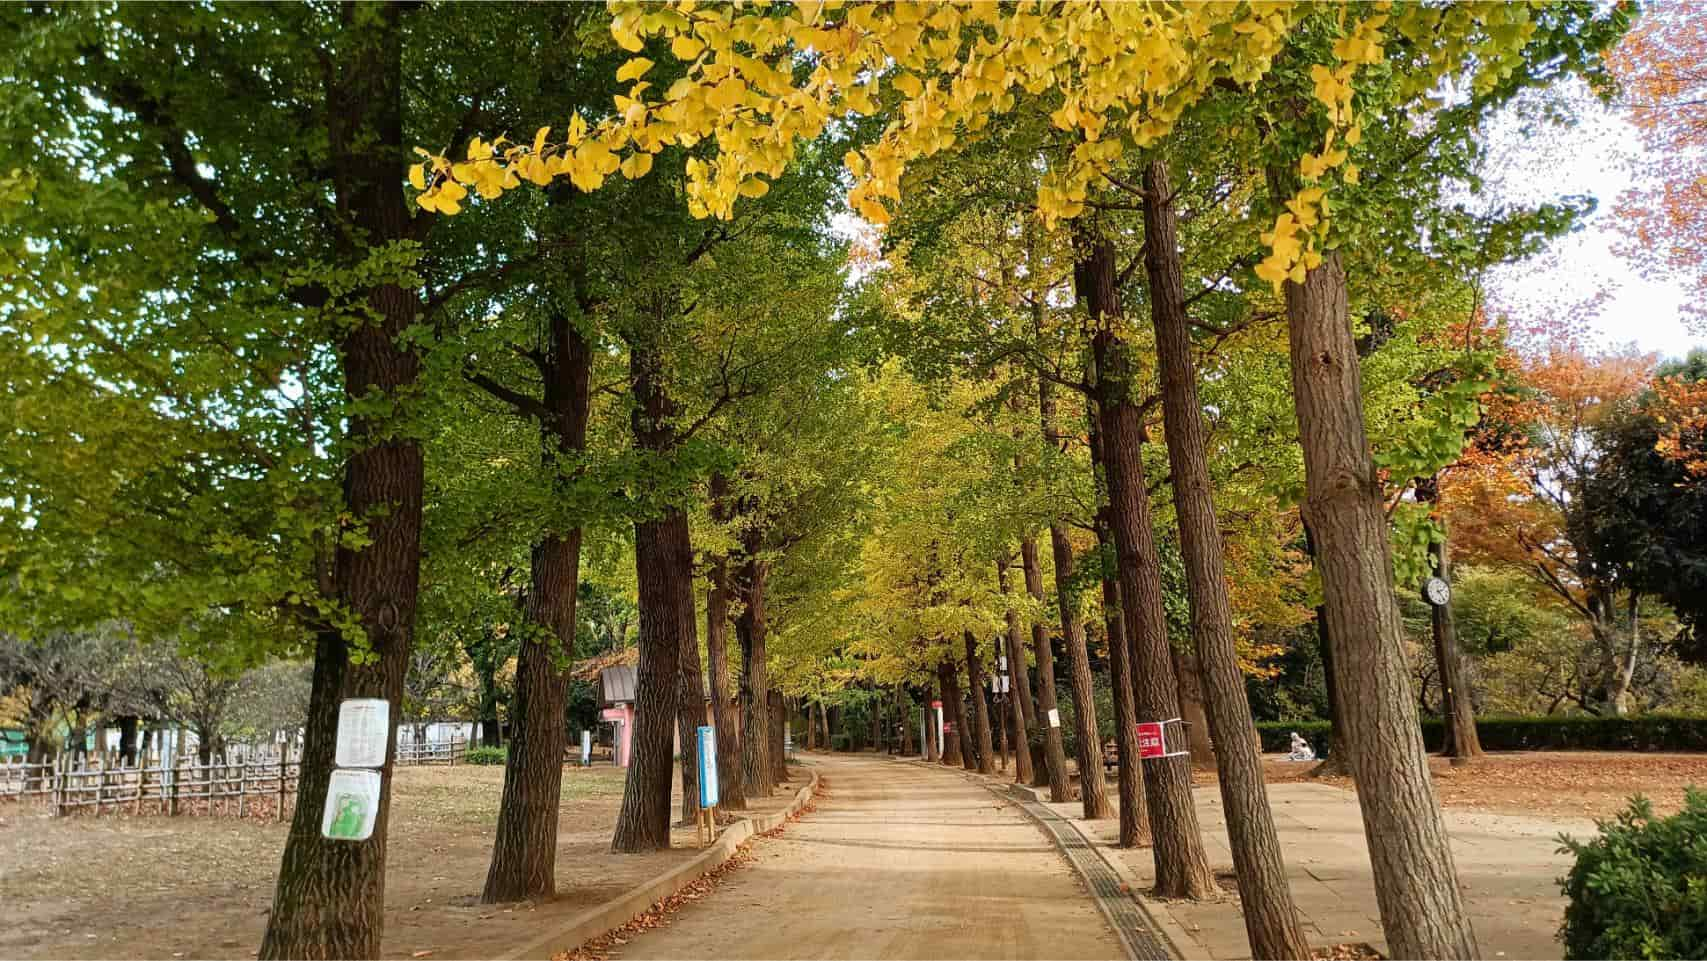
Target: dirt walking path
column 897, row 862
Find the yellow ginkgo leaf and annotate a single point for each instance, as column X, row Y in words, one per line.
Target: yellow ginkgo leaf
column 539, row 139
column 417, row 177
column 636, row 165
column 686, row 47
column 633, row 69
column 754, row 187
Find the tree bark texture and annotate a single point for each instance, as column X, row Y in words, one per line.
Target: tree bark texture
column 663, row 561
column 1182, row 868
column 1462, row 742
column 778, row 720
column 933, row 749
column 1192, row 709
column 1093, row 792
column 690, row 714
column 1265, row 897
column 329, row 901
column 980, row 712
column 730, row 793
column 1416, row 882
column 902, row 703
column 1021, row 711
column 524, row 846
column 949, row 681
column 1054, row 750
column 1134, row 809
column 750, row 627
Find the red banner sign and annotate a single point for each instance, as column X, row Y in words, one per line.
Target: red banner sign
column 612, row 714
column 936, row 704
column 1150, row 742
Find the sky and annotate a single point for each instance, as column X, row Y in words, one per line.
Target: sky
column 1598, row 156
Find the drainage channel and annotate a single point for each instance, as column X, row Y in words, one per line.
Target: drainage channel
column 1140, row 940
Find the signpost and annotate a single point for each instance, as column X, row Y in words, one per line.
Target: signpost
column 586, row 748
column 352, row 796
column 1153, row 739
column 707, row 752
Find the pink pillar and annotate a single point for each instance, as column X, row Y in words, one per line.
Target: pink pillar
column 626, row 736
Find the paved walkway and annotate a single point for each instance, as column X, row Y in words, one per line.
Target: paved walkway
column 1507, row 866
column 897, row 862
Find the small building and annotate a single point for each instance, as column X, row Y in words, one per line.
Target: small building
column 616, row 706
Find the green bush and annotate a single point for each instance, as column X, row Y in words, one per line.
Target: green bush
column 1578, row 732
column 486, row 755
column 1639, row 890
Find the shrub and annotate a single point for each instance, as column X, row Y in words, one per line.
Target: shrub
column 486, row 755
column 1639, row 890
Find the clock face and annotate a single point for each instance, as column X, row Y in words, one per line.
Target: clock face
column 1437, row 591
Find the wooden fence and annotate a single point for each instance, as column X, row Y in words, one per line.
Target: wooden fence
column 256, row 784
column 104, row 785
column 452, row 751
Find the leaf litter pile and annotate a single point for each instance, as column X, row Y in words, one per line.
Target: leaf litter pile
column 605, row 946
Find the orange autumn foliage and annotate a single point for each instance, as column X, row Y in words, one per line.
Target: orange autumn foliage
column 1663, row 67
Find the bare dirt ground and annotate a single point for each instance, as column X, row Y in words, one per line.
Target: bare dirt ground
column 159, row 887
column 1560, row 784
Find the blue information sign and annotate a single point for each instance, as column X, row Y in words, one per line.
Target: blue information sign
column 707, row 767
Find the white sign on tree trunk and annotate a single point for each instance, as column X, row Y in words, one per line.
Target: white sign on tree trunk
column 352, row 804
column 364, row 730
column 1054, row 718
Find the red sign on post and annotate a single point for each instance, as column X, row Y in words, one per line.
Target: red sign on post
column 936, row 704
column 1150, row 743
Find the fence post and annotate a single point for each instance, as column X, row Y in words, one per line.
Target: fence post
column 284, row 758
column 58, row 785
column 242, row 789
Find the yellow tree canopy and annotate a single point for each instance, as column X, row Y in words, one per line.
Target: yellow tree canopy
column 758, row 79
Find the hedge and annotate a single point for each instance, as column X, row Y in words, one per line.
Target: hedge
column 1579, row 732
column 486, row 754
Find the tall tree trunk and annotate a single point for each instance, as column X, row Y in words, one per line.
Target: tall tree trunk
column 524, row 846
column 128, row 724
column 1338, row 761
column 1458, row 713
column 1134, row 811
column 755, row 678
column 1000, row 720
column 329, row 901
column 933, row 748
column 1192, row 709
column 1416, row 883
column 1093, row 792
column 690, row 714
column 1022, row 711
column 1048, row 714
column 778, row 726
column 874, row 715
column 730, row 794
column 1265, row 898
column 980, row 713
column 948, row 679
column 663, row 563
column 901, row 708
column 1182, row 868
